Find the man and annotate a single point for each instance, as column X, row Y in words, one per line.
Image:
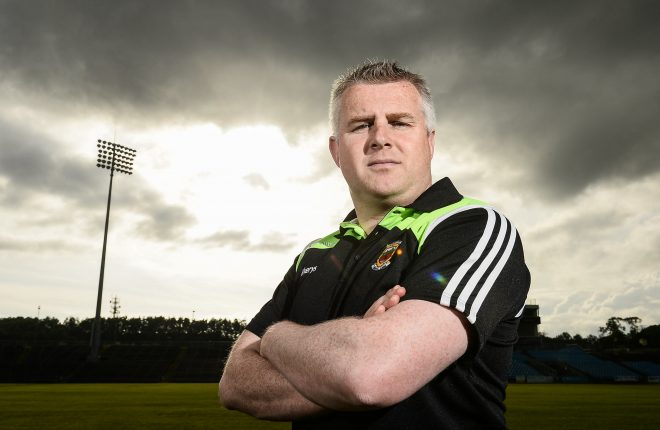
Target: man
column 406, row 316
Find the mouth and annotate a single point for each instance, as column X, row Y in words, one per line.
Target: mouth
column 383, row 163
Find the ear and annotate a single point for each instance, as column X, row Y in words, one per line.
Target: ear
column 333, row 145
column 431, row 141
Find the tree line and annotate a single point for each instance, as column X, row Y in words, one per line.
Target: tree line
column 120, row 329
column 618, row 332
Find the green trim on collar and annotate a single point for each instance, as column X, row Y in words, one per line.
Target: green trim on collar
column 352, row 228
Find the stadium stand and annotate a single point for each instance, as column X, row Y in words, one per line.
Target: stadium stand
column 9, row 357
column 650, row 370
column 185, row 359
column 192, row 362
column 596, row 368
column 197, row 363
column 130, row 363
column 523, row 370
column 520, row 367
column 47, row 363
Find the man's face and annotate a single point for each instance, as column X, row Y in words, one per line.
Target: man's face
column 382, row 145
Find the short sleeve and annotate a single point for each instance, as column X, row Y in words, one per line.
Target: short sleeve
column 472, row 261
column 277, row 308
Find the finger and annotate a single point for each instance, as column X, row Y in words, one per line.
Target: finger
column 396, row 291
column 399, row 290
column 391, row 298
column 389, row 293
column 392, row 301
column 393, row 292
column 374, row 307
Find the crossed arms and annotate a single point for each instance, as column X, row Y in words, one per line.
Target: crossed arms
column 295, row 371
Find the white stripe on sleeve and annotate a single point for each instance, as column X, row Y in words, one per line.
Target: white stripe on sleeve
column 485, row 264
column 473, row 258
column 483, row 292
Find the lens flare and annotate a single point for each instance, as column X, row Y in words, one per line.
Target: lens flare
column 439, row 278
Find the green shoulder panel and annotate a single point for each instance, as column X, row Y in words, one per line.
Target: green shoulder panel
column 422, row 222
column 323, row 243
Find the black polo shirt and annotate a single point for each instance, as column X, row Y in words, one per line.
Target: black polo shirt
column 444, row 248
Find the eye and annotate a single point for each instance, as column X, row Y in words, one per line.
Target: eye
column 361, row 126
column 400, row 124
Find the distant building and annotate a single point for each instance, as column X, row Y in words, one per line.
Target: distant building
column 529, row 322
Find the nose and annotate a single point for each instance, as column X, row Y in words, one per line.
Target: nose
column 378, row 137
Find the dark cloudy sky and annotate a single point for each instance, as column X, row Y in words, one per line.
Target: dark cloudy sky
column 548, row 109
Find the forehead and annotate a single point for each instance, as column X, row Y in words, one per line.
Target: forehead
column 374, row 99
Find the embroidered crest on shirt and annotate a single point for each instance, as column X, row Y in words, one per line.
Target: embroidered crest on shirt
column 384, row 258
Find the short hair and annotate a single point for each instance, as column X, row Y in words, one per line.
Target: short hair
column 379, row 72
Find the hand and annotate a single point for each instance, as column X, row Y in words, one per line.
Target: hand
column 390, row 299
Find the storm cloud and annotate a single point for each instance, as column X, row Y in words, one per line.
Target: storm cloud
column 34, row 166
column 568, row 89
column 554, row 105
column 240, row 241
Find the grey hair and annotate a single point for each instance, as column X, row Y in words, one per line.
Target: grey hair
column 379, row 72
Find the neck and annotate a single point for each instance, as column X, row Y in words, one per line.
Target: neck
column 371, row 212
column 369, row 219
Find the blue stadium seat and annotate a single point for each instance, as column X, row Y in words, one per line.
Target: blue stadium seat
column 646, row 368
column 577, row 358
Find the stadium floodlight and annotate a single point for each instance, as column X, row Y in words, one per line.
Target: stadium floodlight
column 116, row 158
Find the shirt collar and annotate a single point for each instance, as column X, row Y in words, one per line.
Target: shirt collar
column 440, row 194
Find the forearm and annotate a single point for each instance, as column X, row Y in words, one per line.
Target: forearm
column 320, row 361
column 252, row 385
column 357, row 363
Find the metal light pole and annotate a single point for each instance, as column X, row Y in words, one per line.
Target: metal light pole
column 116, row 158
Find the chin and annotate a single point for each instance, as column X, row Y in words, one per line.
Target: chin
column 387, row 194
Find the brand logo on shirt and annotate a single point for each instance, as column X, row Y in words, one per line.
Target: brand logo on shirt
column 384, row 258
column 308, row 270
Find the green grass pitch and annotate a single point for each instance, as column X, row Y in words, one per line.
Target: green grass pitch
column 194, row 406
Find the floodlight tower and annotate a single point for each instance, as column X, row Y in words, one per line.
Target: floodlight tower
column 116, row 158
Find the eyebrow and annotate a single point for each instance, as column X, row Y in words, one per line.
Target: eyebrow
column 390, row 117
column 365, row 118
column 399, row 115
